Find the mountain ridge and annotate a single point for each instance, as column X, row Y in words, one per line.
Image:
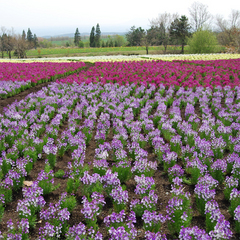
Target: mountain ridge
column 71, row 35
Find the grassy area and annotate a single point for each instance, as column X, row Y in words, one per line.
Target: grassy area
column 107, row 51
column 68, row 51
column 87, row 51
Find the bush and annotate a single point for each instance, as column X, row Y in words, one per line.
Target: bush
column 203, row 41
column 81, row 44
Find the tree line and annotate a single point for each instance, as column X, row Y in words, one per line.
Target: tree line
column 16, row 43
column 96, row 39
column 201, row 31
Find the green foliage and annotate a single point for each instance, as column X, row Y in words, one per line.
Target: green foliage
column 124, row 173
column 59, row 174
column 203, row 41
column 77, row 37
column 68, row 202
column 97, row 36
column 1, row 211
column 81, row 44
column 119, row 40
column 135, row 36
column 35, row 41
column 92, row 37
column 180, row 30
column 29, row 35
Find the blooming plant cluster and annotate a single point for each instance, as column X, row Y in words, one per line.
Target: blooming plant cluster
column 16, row 77
column 193, row 73
column 138, row 131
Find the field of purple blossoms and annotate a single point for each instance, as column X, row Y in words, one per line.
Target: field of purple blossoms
column 93, row 161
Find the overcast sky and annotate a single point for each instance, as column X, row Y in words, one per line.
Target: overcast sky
column 51, row 17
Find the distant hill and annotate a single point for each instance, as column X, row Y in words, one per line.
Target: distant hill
column 71, row 35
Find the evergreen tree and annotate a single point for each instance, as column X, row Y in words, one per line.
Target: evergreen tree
column 23, row 35
column 180, row 30
column 134, row 36
column 110, row 43
column 92, row 37
column 35, row 41
column 97, row 36
column 29, row 36
column 77, row 38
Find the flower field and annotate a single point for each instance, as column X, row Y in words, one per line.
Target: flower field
column 122, row 150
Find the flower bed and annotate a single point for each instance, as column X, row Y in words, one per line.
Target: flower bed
column 122, row 162
column 16, row 77
column 177, row 73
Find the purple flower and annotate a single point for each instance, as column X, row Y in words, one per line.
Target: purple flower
column 119, row 196
column 194, row 232
column 154, row 236
column 221, row 230
column 144, row 184
column 152, row 218
column 175, row 171
column 237, row 214
column 76, row 231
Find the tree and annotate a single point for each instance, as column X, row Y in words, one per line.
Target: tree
column 3, row 40
column 77, row 37
column 146, row 40
column 3, row 43
column 160, row 28
column 10, row 45
column 119, row 40
column 35, row 41
column 236, row 38
column 97, row 36
column 81, row 44
column 180, row 30
column 29, row 36
column 229, row 30
column 20, row 47
column 110, row 43
column 23, row 35
column 6, row 41
column 92, row 37
column 154, row 35
column 203, row 41
column 199, row 15
column 134, row 36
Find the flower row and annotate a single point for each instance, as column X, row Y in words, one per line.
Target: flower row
column 16, row 77
column 177, row 73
